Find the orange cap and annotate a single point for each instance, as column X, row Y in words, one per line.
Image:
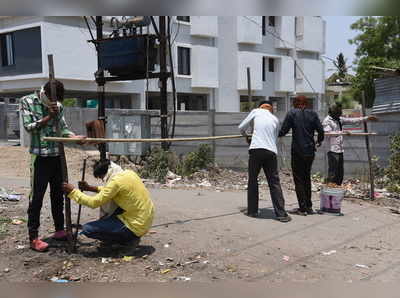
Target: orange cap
column 266, row 106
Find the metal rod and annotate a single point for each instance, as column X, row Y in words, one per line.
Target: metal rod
column 80, row 208
column 64, row 169
column 371, row 172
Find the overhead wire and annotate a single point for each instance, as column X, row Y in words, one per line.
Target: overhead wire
column 285, row 41
column 177, row 32
column 285, row 44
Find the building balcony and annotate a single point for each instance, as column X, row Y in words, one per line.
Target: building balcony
column 254, row 61
column 204, row 65
column 249, row 29
column 204, row 26
column 310, row 76
column 285, row 27
column 310, row 34
column 284, row 80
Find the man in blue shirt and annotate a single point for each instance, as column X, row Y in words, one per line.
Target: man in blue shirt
column 303, row 123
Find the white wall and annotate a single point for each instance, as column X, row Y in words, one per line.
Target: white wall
column 313, row 34
column 254, row 61
column 249, row 29
column 313, row 70
column 74, row 58
column 227, row 96
column 204, row 67
column 284, row 81
column 206, row 26
column 285, row 30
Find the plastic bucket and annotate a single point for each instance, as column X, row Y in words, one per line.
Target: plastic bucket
column 331, row 199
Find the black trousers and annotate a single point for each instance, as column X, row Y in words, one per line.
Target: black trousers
column 301, row 168
column 44, row 171
column 262, row 158
column 335, row 168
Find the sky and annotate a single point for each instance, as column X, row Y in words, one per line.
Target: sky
column 338, row 33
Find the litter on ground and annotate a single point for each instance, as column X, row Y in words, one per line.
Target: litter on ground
column 328, row 253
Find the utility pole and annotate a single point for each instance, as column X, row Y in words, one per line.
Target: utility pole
column 163, row 81
column 101, row 114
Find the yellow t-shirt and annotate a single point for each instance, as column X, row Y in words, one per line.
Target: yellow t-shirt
column 127, row 190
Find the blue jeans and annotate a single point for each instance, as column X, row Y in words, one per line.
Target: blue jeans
column 110, row 229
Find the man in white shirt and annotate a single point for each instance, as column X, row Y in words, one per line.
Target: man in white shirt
column 262, row 154
column 333, row 123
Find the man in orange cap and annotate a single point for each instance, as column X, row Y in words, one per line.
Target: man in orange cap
column 262, row 154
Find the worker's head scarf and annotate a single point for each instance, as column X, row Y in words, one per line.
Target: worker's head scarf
column 335, row 111
column 300, row 102
column 110, row 207
column 113, row 169
column 43, row 97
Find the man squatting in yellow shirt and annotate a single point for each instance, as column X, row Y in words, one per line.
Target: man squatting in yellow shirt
column 134, row 215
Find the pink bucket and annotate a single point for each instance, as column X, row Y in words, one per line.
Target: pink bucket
column 331, row 199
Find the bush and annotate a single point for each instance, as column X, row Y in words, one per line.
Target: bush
column 159, row 162
column 197, row 160
column 70, row 102
column 393, row 171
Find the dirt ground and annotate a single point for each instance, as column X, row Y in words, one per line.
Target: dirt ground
column 201, row 234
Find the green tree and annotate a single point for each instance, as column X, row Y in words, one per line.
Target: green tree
column 70, row 102
column 340, row 64
column 378, row 44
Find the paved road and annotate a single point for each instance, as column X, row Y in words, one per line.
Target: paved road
column 209, row 221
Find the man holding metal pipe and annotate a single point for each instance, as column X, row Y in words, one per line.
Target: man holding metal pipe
column 333, row 123
column 303, row 123
column 40, row 118
column 263, row 154
column 132, row 208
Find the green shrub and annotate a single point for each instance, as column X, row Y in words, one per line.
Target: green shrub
column 197, row 160
column 393, row 171
column 70, row 102
column 159, row 162
column 156, row 165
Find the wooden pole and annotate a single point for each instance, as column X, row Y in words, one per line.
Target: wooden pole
column 64, row 169
column 249, row 89
column 371, row 172
column 102, row 140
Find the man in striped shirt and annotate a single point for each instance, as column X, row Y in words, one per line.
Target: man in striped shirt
column 333, row 123
column 44, row 118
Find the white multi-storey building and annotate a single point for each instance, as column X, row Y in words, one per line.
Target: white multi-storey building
column 211, row 55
